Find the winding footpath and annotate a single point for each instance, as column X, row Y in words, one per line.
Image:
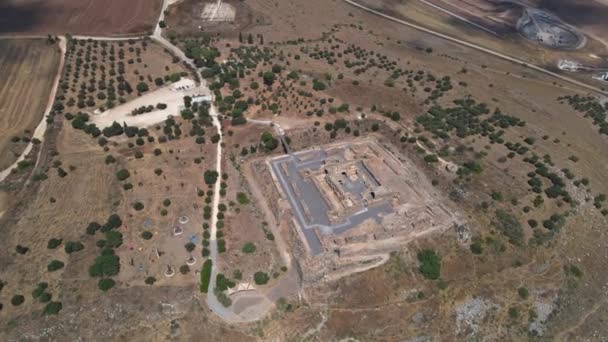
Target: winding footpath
column 477, row 47
column 262, row 305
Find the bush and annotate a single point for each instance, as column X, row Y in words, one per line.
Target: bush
column 146, row 235
column 523, row 292
column 510, row 227
column 318, row 85
column 190, row 246
column 476, row 248
column 17, row 300
column 53, row 243
column 430, row 264
column 105, row 284
column 206, row 276
column 73, row 246
column 52, row 308
column 150, row 280
column 21, row 249
column 55, row 265
column 39, row 290
column 123, row 174
column 260, row 278
column 513, row 312
column 248, row 248
column 184, row 269
column 142, row 87
column 242, row 198
column 92, row 228
column 138, row 206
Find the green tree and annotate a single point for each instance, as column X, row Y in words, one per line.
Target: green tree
column 269, row 78
column 54, row 265
column 249, row 248
column 261, row 278
column 17, row 300
column 430, row 264
column 105, row 284
column 206, row 275
column 123, row 174
column 52, row 308
column 73, row 246
column 53, row 243
column 142, row 87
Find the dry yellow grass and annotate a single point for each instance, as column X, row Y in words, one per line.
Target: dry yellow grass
column 28, row 68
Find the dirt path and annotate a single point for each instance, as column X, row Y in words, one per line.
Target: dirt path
column 477, row 47
column 562, row 335
column 41, row 128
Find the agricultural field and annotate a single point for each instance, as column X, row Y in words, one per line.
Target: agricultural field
column 492, row 172
column 90, row 17
column 28, row 67
column 101, row 75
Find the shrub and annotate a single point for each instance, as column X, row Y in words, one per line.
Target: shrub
column 21, row 249
column 190, row 246
column 242, row 198
column 55, row 265
column 123, row 174
column 105, row 284
column 45, row 297
column 260, row 278
column 248, row 248
column 184, row 269
column 73, row 246
column 39, row 290
column 52, row 308
column 146, row 235
column 17, row 300
column 138, row 206
column 206, row 276
column 523, row 292
column 150, row 280
column 476, row 248
column 318, row 85
column 92, row 228
column 53, row 243
column 430, row 264
column 510, row 227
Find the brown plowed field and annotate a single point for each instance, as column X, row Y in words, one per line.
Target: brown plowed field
column 82, row 17
column 28, row 68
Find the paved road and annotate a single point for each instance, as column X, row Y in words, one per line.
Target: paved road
column 478, row 47
column 41, row 128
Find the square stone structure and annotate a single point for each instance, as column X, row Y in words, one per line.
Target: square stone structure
column 356, row 196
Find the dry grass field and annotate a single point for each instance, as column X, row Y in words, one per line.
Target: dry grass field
column 28, row 68
column 90, row 17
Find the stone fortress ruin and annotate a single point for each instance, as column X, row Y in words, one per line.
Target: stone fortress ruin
column 356, row 200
